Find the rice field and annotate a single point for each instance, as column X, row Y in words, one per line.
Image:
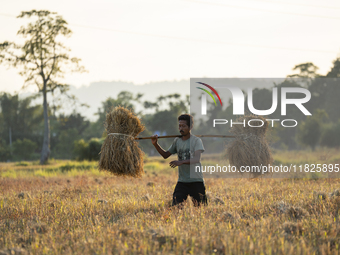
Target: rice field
column 69, row 207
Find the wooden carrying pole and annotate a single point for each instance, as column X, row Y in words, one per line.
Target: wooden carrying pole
column 170, row 136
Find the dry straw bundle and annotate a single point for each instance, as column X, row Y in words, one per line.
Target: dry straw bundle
column 120, row 153
column 250, row 147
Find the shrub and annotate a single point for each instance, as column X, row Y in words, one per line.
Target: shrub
column 95, row 146
column 331, row 135
column 64, row 146
column 88, row 150
column 5, row 152
column 80, row 149
column 24, row 148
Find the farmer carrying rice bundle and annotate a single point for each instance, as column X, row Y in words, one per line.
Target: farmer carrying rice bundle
column 189, row 149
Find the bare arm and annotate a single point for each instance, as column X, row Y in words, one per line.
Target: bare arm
column 194, row 160
column 165, row 154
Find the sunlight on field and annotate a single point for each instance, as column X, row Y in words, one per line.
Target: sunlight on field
column 307, row 157
column 70, row 207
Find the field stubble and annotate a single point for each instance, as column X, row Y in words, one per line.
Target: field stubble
column 77, row 210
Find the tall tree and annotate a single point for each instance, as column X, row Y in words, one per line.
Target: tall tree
column 165, row 120
column 124, row 98
column 19, row 118
column 307, row 70
column 43, row 59
column 335, row 71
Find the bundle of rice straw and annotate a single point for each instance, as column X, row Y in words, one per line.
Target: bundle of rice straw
column 250, row 147
column 120, row 153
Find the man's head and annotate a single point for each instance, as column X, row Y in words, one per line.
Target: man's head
column 185, row 123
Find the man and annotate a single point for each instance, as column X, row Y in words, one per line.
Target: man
column 189, row 149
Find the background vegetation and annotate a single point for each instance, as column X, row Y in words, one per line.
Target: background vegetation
column 75, row 137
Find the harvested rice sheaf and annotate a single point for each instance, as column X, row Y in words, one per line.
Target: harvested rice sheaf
column 120, row 153
column 250, row 147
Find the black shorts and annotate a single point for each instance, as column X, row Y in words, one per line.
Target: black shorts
column 195, row 189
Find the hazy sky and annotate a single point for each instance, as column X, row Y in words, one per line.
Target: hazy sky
column 153, row 40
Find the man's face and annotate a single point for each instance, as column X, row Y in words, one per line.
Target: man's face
column 184, row 129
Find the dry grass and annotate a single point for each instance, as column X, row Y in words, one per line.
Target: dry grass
column 120, row 154
column 103, row 214
column 250, row 147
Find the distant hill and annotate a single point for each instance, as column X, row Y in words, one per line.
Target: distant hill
column 97, row 92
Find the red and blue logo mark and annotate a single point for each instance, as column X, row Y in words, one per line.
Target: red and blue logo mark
column 213, row 90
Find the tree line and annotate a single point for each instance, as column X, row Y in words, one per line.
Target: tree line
column 72, row 135
column 75, row 137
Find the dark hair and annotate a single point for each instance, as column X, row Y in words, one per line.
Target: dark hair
column 188, row 118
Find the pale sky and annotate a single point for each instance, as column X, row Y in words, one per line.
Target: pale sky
column 156, row 40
